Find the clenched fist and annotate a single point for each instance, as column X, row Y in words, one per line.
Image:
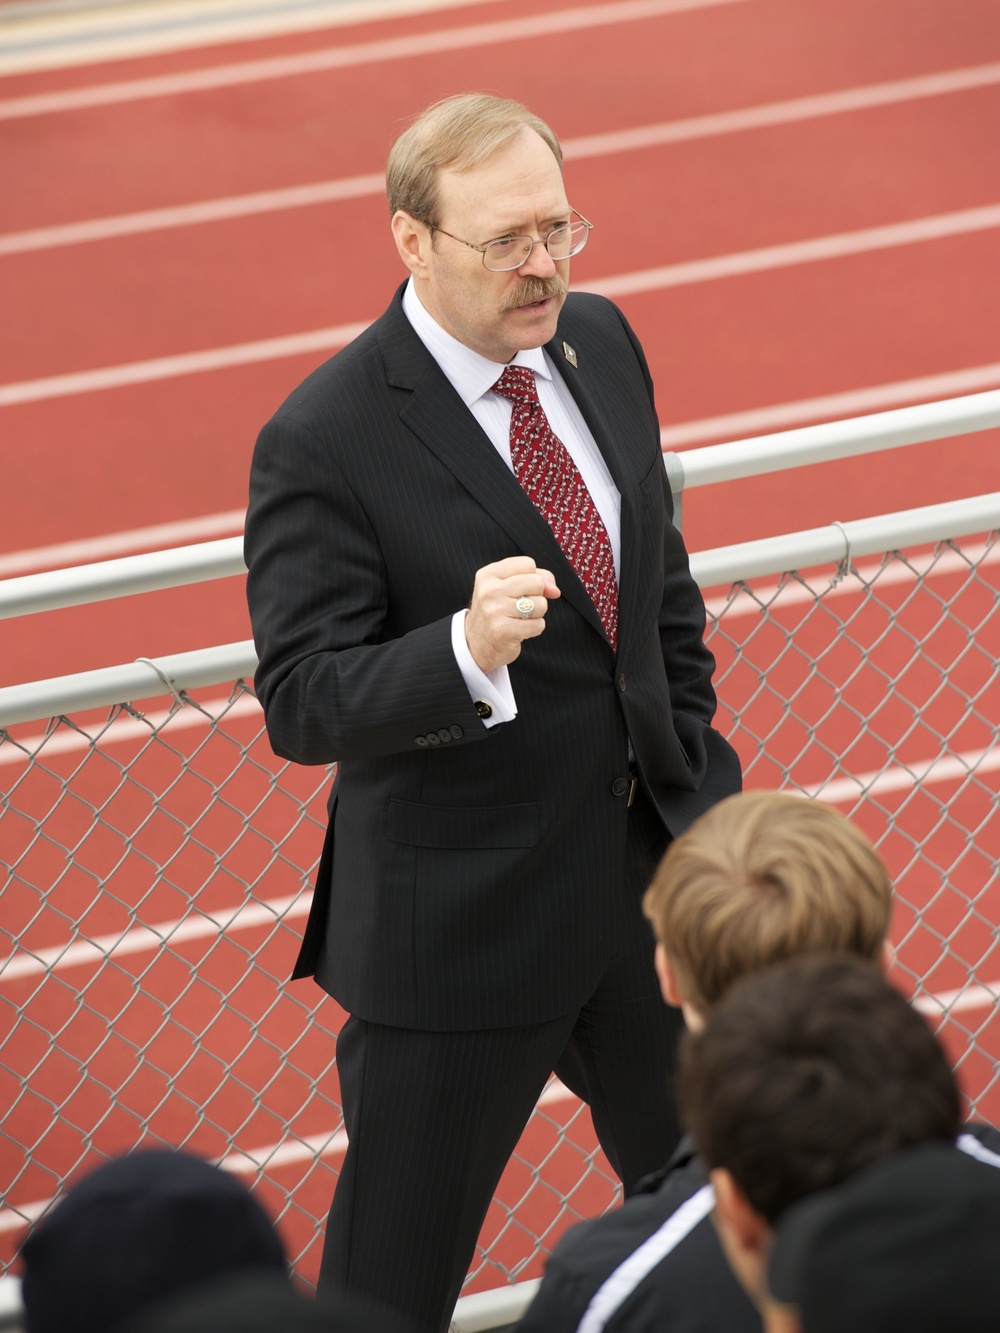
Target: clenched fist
column 508, row 605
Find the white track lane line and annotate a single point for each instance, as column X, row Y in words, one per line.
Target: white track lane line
column 199, row 925
column 187, row 363
column 596, row 145
column 333, row 1144
column 820, row 248
column 958, row 1001
column 85, row 35
column 518, row 30
column 815, row 250
column 156, row 536
column 863, row 578
column 123, row 727
column 287, row 1152
column 862, row 98
column 830, row 407
column 203, row 925
column 186, row 215
column 880, row 782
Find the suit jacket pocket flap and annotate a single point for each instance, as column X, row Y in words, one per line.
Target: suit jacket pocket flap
column 471, row 826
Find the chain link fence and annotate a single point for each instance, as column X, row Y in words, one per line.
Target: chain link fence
column 156, row 869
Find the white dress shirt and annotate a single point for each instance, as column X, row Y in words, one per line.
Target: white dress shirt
column 473, row 376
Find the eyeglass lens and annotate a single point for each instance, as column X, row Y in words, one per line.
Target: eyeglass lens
column 512, row 251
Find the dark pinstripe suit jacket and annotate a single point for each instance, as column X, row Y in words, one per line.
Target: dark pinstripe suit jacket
column 468, row 883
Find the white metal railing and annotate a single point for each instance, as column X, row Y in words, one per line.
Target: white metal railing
column 838, row 542
column 834, row 439
column 130, row 574
column 143, row 679
column 203, row 561
column 834, row 543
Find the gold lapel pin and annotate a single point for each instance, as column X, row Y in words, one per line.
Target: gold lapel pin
column 570, row 355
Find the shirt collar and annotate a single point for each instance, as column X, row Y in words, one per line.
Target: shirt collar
column 471, row 375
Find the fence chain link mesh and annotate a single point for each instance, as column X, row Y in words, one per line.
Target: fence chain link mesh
column 156, row 871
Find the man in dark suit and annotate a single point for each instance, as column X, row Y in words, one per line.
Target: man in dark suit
column 470, row 595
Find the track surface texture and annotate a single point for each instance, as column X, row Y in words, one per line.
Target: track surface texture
column 185, row 233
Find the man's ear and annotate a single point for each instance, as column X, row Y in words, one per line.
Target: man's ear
column 737, row 1214
column 744, row 1234
column 672, row 993
column 888, row 958
column 667, row 978
column 412, row 239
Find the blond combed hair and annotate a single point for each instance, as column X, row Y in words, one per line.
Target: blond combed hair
column 460, row 132
column 761, row 877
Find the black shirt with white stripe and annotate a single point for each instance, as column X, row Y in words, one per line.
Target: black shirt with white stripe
column 655, row 1265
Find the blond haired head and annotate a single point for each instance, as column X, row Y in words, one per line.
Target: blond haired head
column 460, row 132
column 761, row 877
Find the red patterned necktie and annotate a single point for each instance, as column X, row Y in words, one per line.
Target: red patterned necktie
column 544, row 467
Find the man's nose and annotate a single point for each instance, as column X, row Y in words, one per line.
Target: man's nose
column 539, row 263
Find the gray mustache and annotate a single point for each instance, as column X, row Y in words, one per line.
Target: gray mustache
column 534, row 289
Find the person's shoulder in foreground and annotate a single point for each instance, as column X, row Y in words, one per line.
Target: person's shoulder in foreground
column 917, row 1238
column 254, row 1302
column 848, row 1195
column 760, row 877
column 653, row 1264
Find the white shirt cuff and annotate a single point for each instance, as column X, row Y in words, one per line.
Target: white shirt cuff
column 492, row 687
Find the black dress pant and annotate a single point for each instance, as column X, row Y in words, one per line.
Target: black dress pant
column 433, row 1117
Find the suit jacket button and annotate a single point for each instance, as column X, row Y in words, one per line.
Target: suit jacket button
column 444, row 734
column 456, row 731
column 433, row 738
column 483, row 709
column 621, row 682
column 620, row 786
column 420, row 740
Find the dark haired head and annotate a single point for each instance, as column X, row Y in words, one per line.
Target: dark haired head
column 809, row 1072
column 139, row 1228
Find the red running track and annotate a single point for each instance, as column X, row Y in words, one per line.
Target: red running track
column 891, row 153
